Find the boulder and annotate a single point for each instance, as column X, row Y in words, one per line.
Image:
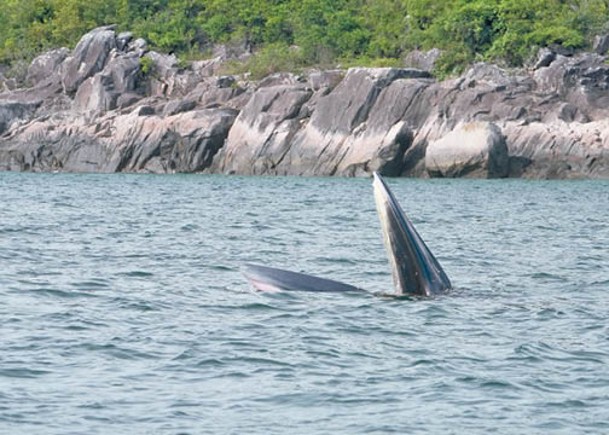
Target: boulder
column 423, row 60
column 89, row 57
column 101, row 93
column 162, row 73
column 217, row 92
column 125, row 71
column 174, row 107
column 384, row 142
column 46, row 66
column 471, row 150
column 545, row 57
column 96, row 94
column 138, row 46
column 122, row 40
column 65, row 143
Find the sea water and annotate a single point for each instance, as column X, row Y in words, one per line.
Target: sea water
column 123, row 310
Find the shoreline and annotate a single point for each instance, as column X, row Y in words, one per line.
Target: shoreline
column 102, row 108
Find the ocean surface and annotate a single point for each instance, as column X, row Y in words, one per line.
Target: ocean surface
column 123, row 310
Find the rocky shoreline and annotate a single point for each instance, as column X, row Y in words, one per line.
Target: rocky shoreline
column 112, row 105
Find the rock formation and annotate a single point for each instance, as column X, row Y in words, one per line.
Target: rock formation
column 112, row 105
column 475, row 149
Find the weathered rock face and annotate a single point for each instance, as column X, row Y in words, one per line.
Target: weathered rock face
column 559, row 149
column 89, row 57
column 185, row 142
column 263, row 132
column 470, row 150
column 134, row 142
column 46, row 66
column 11, row 112
column 113, row 105
column 101, row 92
column 353, row 133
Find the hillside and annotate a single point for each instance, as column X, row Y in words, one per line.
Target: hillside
column 290, row 34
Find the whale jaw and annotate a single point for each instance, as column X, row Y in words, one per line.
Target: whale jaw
column 414, row 268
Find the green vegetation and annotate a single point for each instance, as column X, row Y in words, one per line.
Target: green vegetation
column 290, row 34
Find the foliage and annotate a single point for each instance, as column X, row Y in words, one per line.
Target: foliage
column 146, row 65
column 272, row 58
column 325, row 32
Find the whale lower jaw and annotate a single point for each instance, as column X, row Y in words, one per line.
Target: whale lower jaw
column 414, row 268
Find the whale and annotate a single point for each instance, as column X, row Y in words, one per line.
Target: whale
column 414, row 268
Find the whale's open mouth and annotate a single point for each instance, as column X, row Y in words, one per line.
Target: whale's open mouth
column 414, row 268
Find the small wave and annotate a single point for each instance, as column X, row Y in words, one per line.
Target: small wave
column 57, row 293
column 546, row 276
column 136, row 305
column 23, row 373
column 137, row 274
column 118, row 351
column 210, row 362
column 93, row 284
column 189, row 227
column 567, row 404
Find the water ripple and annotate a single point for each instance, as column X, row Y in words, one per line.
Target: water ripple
column 138, row 320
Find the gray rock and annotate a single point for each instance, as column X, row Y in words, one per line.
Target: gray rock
column 325, row 80
column 174, row 107
column 280, row 79
column 262, row 133
column 163, row 74
column 340, row 138
column 601, row 44
column 96, row 94
column 225, row 82
column 547, row 122
column 124, row 70
column 7, row 84
column 545, row 57
column 219, row 92
column 473, row 149
column 208, row 67
column 46, row 66
column 123, row 39
column 186, row 142
column 65, row 144
column 14, row 112
column 89, row 57
column 127, row 99
column 101, row 93
column 139, row 46
column 145, row 110
column 423, row 60
column 181, row 143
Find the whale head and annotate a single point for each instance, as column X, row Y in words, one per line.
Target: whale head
column 414, row 268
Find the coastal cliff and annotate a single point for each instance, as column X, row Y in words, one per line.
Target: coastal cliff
column 112, row 105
